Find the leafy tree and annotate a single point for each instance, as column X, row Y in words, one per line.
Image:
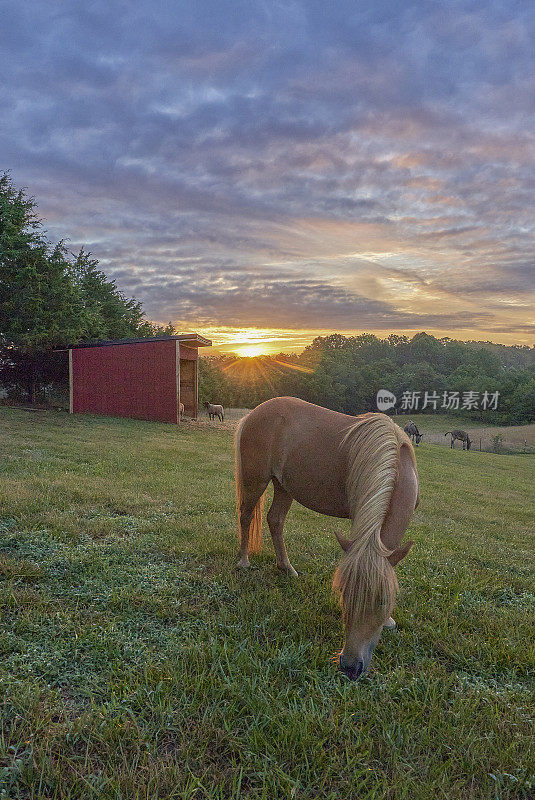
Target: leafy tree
column 49, row 299
column 107, row 313
column 523, row 401
column 40, row 307
column 345, row 373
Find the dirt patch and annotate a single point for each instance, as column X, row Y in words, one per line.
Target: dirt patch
column 230, row 423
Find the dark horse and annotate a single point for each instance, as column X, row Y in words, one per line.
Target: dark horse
column 412, row 432
column 462, row 436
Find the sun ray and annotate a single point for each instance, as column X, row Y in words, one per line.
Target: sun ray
column 296, row 367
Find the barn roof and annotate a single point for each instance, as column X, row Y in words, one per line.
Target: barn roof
column 188, row 339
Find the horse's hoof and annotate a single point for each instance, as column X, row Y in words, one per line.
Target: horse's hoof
column 390, row 624
column 289, row 570
column 243, row 563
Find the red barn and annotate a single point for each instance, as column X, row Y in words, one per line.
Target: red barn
column 138, row 378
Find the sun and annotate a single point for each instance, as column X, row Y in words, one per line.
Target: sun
column 250, row 350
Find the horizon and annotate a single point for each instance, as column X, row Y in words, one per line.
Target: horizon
column 254, row 348
column 264, row 175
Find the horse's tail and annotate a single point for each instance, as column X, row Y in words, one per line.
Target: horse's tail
column 364, row 578
column 255, row 526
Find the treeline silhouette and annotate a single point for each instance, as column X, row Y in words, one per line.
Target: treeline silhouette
column 346, row 372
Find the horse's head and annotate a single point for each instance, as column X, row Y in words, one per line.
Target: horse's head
column 360, row 642
column 206, row 404
column 418, row 437
column 364, row 616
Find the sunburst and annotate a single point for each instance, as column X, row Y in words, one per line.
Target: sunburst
column 250, row 350
column 259, row 368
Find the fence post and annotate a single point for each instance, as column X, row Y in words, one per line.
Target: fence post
column 480, row 444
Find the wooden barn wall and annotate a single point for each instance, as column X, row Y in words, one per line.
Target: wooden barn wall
column 128, row 380
column 188, row 380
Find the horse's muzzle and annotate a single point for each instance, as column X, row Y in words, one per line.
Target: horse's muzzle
column 354, row 670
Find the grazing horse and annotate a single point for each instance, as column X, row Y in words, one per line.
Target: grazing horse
column 358, row 468
column 214, row 411
column 412, row 432
column 462, row 436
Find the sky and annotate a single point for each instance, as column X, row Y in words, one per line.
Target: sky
column 264, row 171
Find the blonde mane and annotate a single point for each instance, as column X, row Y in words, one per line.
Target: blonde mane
column 364, row 578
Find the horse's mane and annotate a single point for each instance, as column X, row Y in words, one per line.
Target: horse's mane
column 364, row 578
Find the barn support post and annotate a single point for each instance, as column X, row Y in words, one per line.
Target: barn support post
column 71, row 398
column 177, row 357
column 197, row 385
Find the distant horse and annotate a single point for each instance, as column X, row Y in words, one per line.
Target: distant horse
column 214, row 411
column 412, row 432
column 358, row 468
column 462, row 436
column 180, row 410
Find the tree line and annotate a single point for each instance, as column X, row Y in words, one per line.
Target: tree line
column 346, row 372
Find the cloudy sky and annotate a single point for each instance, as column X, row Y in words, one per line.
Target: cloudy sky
column 266, row 170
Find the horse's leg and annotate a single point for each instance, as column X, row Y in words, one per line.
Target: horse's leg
column 250, row 497
column 275, row 518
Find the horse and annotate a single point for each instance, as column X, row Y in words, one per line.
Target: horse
column 180, row 410
column 359, row 468
column 214, row 411
column 412, row 431
column 462, row 436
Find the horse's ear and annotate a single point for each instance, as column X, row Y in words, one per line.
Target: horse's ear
column 395, row 557
column 344, row 543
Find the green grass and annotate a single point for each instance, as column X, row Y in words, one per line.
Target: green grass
column 138, row 663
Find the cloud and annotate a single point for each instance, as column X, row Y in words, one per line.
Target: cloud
column 356, row 165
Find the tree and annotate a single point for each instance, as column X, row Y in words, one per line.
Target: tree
column 50, row 299
column 107, row 313
column 39, row 306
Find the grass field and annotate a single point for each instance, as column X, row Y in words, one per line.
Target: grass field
column 513, row 438
column 138, row 663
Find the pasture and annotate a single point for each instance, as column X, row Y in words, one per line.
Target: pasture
column 513, row 438
column 137, row 662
